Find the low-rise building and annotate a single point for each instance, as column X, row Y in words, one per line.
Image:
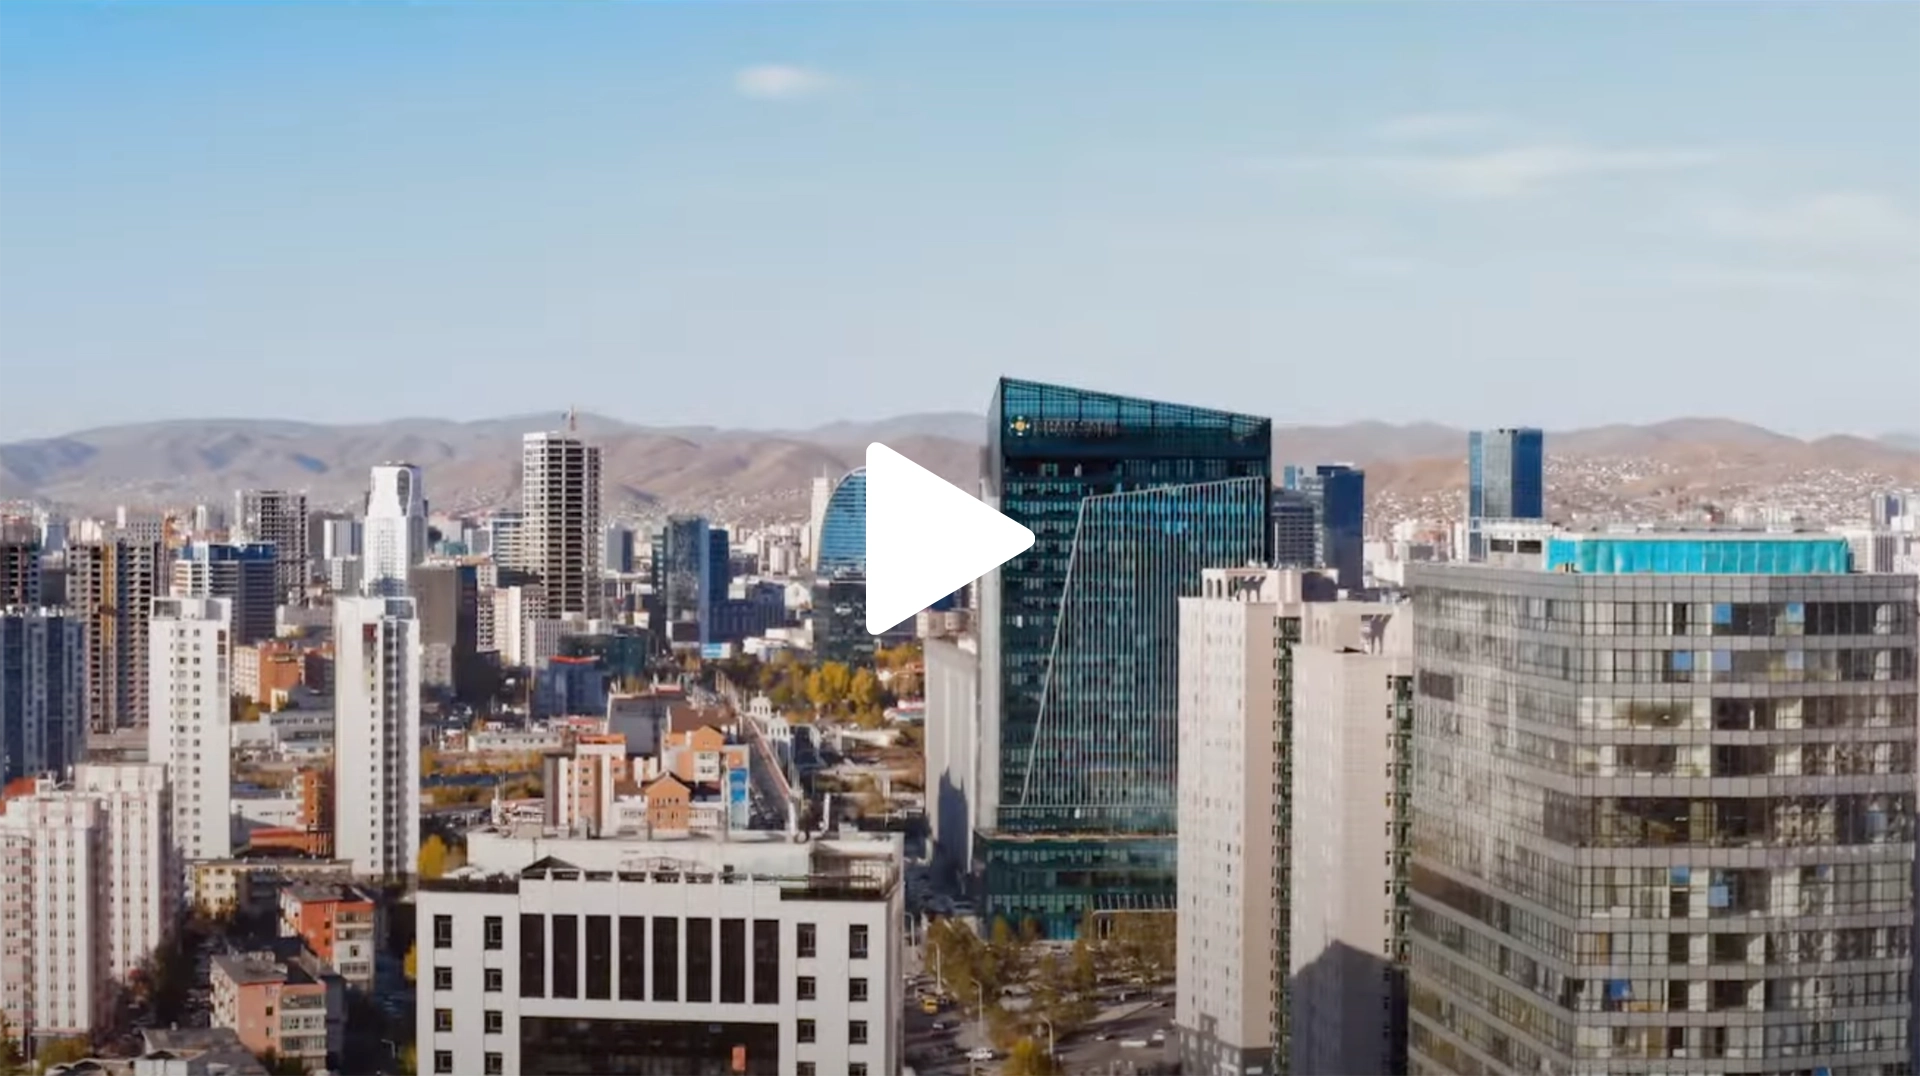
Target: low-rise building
column 291, row 1010
column 338, row 923
column 250, row 884
column 757, row 954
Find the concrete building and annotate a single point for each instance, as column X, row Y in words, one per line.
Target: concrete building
column 757, row 954
column 279, row 518
column 242, row 574
column 295, row 1010
column 952, row 751
column 55, row 974
column 43, row 691
column 394, row 534
column 144, row 883
column 190, row 686
column 112, row 584
column 376, row 718
column 560, row 519
column 1352, row 738
column 1663, row 809
column 19, row 568
column 338, row 923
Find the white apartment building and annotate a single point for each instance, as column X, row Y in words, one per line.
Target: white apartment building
column 376, row 734
column 952, row 750
column 88, row 893
column 759, row 954
column 560, row 519
column 1352, row 733
column 513, row 609
column 189, row 731
column 394, row 534
column 1233, row 639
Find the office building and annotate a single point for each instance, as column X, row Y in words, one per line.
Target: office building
column 560, row 519
column 618, row 553
column 682, row 577
column 376, row 732
column 952, row 752
column 242, row 574
column 842, row 537
column 755, row 954
column 1296, row 529
column 279, row 518
column 394, row 534
column 1337, row 495
column 43, row 691
column 1506, row 479
column 1128, row 501
column 190, row 685
column 340, row 537
column 112, row 584
column 1663, row 809
column 446, row 597
column 19, row 568
column 1349, row 853
column 503, row 529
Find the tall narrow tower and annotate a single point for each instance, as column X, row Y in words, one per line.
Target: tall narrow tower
column 560, row 519
column 376, row 722
column 394, row 536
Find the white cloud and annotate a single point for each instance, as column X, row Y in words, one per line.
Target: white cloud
column 1433, row 126
column 1511, row 171
column 781, row 82
column 1835, row 222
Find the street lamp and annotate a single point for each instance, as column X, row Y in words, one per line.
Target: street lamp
column 1050, row 1057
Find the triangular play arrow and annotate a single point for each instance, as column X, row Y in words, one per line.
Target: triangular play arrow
column 926, row 538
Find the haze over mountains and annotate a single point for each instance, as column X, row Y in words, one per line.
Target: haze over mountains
column 761, row 472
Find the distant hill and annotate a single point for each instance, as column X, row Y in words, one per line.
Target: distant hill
column 476, row 464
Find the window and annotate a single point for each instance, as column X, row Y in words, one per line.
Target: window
column 857, row 1068
column 443, row 1019
column 857, row 989
column 666, row 958
column 857, row 1032
column 599, row 957
column 633, row 958
column 496, row 1022
column 566, row 956
column 443, row 932
column 766, row 961
column 806, row 941
column 533, row 956
column 806, row 989
column 443, row 978
column 803, row 1031
column 443, row 1061
column 857, row 941
column 496, row 1064
column 733, row 961
column 496, row 980
column 804, row 1068
column 700, row 960
column 496, row 933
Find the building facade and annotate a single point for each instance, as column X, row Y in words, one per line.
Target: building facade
column 277, row 517
column 754, row 955
column 843, row 526
column 1128, row 501
column 394, row 535
column 1663, row 809
column 1506, row 479
column 55, row 971
column 559, row 539
column 144, row 882
column 43, row 691
column 113, row 583
column 376, row 733
column 242, row 574
column 191, row 688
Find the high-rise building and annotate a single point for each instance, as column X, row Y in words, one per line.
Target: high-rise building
column 1349, row 852
column 754, row 954
column 394, row 534
column 1129, row 500
column 503, row 530
column 1296, row 529
column 112, row 584
column 682, row 576
column 719, row 569
column 816, row 517
column 190, row 685
column 1506, row 479
column 19, row 568
column 88, row 892
column 842, row 533
column 560, row 519
column 279, row 518
column 1337, row 496
column 447, row 600
column 43, row 691
column 1663, row 809
column 341, row 538
column 376, row 730
column 242, row 574
column 952, row 752
column 618, row 554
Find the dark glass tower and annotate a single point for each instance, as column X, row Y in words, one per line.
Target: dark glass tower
column 1343, row 522
column 1128, row 501
column 1506, row 479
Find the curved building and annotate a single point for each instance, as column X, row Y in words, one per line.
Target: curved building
column 843, row 527
column 394, row 534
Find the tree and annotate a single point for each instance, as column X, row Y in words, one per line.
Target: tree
column 409, row 1060
column 433, row 858
column 1028, row 1058
column 828, row 685
column 863, row 690
column 62, row 1052
column 411, row 966
column 12, row 1059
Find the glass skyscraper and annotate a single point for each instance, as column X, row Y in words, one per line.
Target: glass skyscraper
column 1663, row 810
column 1128, row 500
column 843, row 527
column 1506, row 479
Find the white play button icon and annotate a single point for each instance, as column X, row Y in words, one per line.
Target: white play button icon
column 926, row 538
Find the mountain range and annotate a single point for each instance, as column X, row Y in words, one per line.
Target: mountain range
column 762, row 472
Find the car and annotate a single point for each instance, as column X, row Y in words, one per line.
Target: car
column 938, row 1025
column 1102, row 1037
column 981, row 1053
column 1159, row 1036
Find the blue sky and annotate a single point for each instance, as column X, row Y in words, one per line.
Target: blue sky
column 775, row 216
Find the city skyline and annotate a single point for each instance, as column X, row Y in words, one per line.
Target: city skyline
column 677, row 188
